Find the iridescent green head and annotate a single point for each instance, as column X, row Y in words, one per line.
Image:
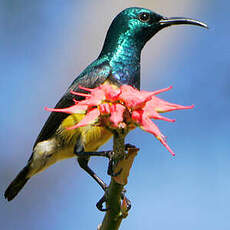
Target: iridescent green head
column 138, row 25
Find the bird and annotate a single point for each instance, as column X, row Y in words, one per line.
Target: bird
column 118, row 63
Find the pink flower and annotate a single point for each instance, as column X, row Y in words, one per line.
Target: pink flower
column 124, row 107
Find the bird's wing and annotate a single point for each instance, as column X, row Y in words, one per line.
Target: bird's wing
column 90, row 78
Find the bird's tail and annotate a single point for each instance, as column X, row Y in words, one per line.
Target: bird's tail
column 17, row 184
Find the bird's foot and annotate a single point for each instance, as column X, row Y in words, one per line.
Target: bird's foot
column 113, row 164
column 100, row 203
column 103, row 200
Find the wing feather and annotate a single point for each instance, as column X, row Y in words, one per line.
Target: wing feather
column 91, row 77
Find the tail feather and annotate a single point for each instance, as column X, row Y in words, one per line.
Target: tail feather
column 17, row 184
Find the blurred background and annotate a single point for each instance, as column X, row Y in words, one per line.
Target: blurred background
column 46, row 44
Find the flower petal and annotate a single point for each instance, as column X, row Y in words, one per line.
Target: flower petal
column 149, row 94
column 111, row 92
column 72, row 109
column 155, row 115
column 116, row 116
column 96, row 96
column 132, row 97
column 104, row 108
column 137, row 116
column 149, row 126
column 90, row 118
column 162, row 90
column 162, row 106
column 84, row 88
column 80, row 94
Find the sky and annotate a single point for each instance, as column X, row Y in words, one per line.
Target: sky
column 46, row 44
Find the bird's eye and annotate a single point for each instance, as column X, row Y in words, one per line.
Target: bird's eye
column 144, row 17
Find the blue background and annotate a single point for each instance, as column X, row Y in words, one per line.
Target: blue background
column 44, row 45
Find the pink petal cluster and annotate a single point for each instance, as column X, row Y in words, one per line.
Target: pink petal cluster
column 124, row 107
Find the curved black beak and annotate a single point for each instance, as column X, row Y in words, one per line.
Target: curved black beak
column 165, row 22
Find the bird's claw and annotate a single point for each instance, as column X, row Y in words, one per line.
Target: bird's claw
column 103, row 200
column 100, row 203
column 112, row 163
column 111, row 167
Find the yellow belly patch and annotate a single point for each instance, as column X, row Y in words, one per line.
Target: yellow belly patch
column 93, row 137
column 70, row 136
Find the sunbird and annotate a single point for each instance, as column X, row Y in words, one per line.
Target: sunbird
column 118, row 63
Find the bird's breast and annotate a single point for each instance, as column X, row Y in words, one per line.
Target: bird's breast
column 92, row 137
column 128, row 74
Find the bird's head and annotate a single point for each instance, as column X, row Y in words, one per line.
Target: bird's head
column 140, row 24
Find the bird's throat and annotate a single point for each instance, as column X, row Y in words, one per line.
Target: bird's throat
column 125, row 61
column 124, row 58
